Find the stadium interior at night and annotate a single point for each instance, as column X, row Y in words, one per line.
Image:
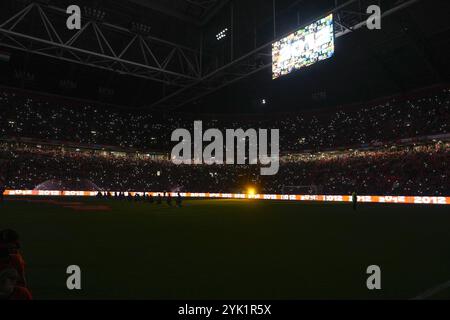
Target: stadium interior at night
column 88, row 174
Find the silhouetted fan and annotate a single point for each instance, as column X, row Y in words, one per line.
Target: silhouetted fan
column 68, row 185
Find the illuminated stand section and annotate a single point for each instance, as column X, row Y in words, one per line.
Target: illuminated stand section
column 303, row 48
column 318, row 198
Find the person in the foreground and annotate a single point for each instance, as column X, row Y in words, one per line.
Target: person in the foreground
column 9, row 239
column 9, row 288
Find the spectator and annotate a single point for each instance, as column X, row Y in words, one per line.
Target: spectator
column 9, row 289
column 10, row 239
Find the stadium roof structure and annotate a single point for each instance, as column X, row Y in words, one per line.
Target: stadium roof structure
column 166, row 55
column 197, row 12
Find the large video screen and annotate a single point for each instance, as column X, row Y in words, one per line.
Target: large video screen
column 304, row 47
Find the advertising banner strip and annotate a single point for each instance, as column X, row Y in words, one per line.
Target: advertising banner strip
column 319, row 198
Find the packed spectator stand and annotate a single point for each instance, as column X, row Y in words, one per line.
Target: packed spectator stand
column 397, row 146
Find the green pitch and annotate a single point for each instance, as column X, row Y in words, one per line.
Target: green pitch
column 230, row 249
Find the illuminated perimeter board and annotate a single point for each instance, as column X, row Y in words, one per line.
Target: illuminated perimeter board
column 304, row 47
column 206, row 195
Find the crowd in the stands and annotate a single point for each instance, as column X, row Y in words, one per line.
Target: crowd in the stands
column 419, row 170
column 415, row 170
column 23, row 116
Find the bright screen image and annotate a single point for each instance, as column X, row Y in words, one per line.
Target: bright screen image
column 304, row 47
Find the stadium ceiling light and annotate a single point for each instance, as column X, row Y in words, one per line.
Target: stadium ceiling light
column 5, row 56
column 140, row 28
column 222, row 34
column 94, row 13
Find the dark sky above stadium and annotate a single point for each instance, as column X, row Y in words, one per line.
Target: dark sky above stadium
column 410, row 51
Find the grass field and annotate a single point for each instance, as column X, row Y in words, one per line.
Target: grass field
column 230, row 249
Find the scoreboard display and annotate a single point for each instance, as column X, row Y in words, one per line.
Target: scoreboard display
column 304, row 47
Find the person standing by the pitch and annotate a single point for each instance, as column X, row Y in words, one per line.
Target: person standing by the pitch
column 5, row 168
column 2, row 190
column 179, row 200
column 354, row 200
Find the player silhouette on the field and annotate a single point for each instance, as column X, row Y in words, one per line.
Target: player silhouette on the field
column 179, row 200
column 159, row 199
column 354, row 200
column 2, row 190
